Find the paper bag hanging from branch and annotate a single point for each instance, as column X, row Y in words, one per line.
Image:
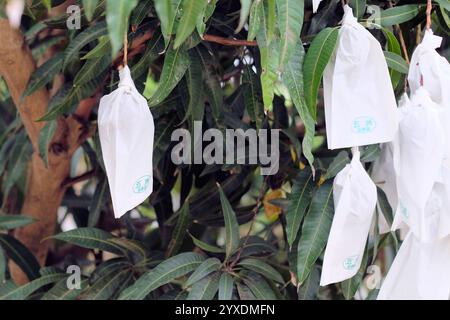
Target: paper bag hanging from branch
column 355, row 197
column 418, row 158
column 419, row 271
column 360, row 106
column 126, row 131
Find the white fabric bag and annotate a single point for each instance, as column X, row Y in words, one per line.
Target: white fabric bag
column 360, row 106
column 355, row 197
column 419, row 271
column 316, row 4
column 418, row 158
column 126, row 131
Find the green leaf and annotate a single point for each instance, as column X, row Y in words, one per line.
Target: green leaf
column 101, row 49
column 194, row 78
column 243, row 14
column 205, row 289
column 3, row 263
column 154, row 48
column 443, row 4
column 141, row 11
column 317, row 57
column 21, row 293
column 164, row 273
column 293, row 79
column 290, row 19
column 206, row 247
column 252, row 96
column 258, row 286
column 91, row 69
column 358, row 6
column 45, row 138
column 244, row 292
column 167, row 11
column 98, row 200
column 255, row 19
column 10, row 222
column 60, row 291
column 105, row 287
column 262, row 268
column 207, row 267
column 398, row 14
column 231, row 225
column 396, row 62
column 191, row 12
column 90, row 238
column 44, row 74
column 370, row 153
column 90, row 34
column 299, row 200
column 203, row 18
column 179, row 233
column 17, row 164
column 20, row 255
column 117, row 14
column 310, row 287
column 315, row 230
column 89, row 7
column 384, row 206
column 226, row 284
column 338, row 163
column 176, row 63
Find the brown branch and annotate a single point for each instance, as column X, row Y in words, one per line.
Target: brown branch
column 428, row 12
column 69, row 182
column 229, row 42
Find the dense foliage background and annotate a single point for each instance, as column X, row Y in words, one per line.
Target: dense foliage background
column 207, row 231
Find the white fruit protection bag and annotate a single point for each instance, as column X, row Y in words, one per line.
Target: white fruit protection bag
column 360, row 105
column 418, row 156
column 419, row 271
column 126, row 132
column 355, row 197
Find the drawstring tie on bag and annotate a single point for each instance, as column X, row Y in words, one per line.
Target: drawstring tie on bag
column 126, row 81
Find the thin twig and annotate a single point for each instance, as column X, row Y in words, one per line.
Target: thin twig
column 428, row 12
column 229, row 42
column 71, row 181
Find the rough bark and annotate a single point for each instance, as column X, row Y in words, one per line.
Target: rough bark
column 45, row 188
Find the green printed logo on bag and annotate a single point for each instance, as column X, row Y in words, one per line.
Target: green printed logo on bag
column 350, row 262
column 363, row 125
column 141, row 185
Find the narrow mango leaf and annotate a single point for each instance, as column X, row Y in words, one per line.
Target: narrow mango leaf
column 290, row 19
column 293, row 79
column 244, row 292
column 44, row 74
column 89, row 7
column 258, row 286
column 90, row 238
column 176, row 63
column 243, row 14
column 154, row 48
column 117, row 14
column 207, row 267
column 141, row 11
column 194, row 79
column 231, row 225
column 10, row 222
column 17, row 165
column 105, row 287
column 167, row 11
column 226, row 284
column 191, row 13
column 398, row 14
column 21, row 293
column 205, row 246
column 60, row 291
column 45, row 138
column 338, row 163
column 254, row 23
column 91, row 69
column 396, row 62
column 299, row 200
column 315, row 230
column 203, row 18
column 3, row 263
column 443, row 4
column 359, row 7
column 101, row 194
column 317, row 57
column 90, row 34
column 310, row 287
column 262, row 268
column 179, row 233
column 205, row 289
column 252, row 96
column 164, row 273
